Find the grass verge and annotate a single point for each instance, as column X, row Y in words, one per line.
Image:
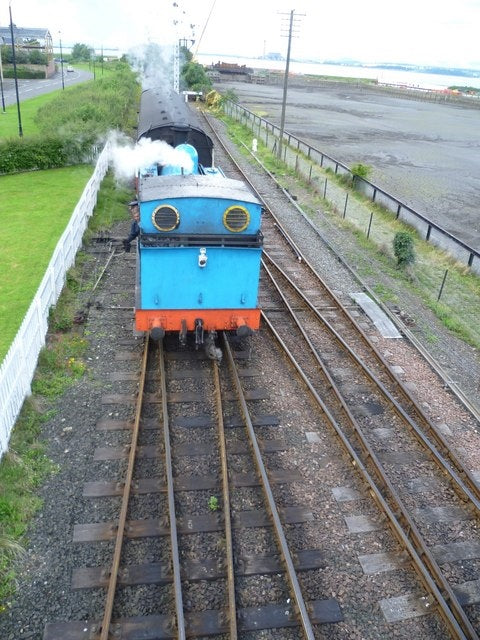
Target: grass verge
column 28, row 111
column 37, row 206
column 26, row 465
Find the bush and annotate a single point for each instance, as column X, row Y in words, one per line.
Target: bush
column 29, row 154
column 73, row 123
column 93, row 108
column 403, row 248
column 24, row 73
column 361, row 170
column 37, row 57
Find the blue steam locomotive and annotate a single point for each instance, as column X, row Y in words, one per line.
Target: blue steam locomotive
column 200, row 242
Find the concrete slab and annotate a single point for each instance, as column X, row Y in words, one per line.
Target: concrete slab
column 380, row 562
column 384, row 325
column 361, row 524
column 404, row 607
column 443, row 514
column 468, row 592
column 345, row 494
column 455, row 551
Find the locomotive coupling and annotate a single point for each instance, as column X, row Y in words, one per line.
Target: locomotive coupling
column 157, row 332
column 243, row 330
column 202, row 258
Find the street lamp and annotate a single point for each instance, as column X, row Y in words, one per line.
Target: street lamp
column 20, row 130
column 61, row 60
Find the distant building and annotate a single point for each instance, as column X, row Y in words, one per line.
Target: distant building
column 273, row 56
column 229, row 71
column 31, row 42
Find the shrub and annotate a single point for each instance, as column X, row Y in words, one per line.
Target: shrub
column 29, row 154
column 361, row 170
column 403, row 248
column 73, row 123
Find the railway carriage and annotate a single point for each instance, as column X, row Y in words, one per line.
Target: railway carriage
column 200, row 243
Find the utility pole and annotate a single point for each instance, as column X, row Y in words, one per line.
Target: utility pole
column 1, row 82
column 61, row 61
column 176, row 66
column 14, row 60
column 285, row 82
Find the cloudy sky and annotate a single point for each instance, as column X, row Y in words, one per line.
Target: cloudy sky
column 414, row 31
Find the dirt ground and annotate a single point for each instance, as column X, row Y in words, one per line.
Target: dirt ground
column 426, row 154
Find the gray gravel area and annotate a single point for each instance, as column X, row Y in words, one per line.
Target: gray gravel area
column 425, row 154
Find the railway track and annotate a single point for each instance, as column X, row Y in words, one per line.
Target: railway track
column 359, row 393
column 189, row 398
column 336, row 521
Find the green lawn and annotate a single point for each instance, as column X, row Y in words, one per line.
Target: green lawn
column 28, row 109
column 34, row 209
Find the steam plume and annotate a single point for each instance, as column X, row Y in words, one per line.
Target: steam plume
column 127, row 157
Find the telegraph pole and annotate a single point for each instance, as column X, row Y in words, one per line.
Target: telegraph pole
column 285, row 82
column 1, row 82
column 20, row 130
column 61, row 61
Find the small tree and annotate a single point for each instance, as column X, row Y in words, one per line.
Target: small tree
column 361, row 170
column 37, row 57
column 403, row 248
column 82, row 52
column 195, row 78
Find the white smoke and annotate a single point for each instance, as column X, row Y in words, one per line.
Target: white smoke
column 127, row 157
column 153, row 64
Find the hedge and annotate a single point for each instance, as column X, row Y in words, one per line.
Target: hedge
column 28, row 154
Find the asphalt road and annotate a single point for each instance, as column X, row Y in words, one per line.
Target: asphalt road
column 426, row 154
column 33, row 88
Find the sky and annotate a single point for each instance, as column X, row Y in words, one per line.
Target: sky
column 423, row 32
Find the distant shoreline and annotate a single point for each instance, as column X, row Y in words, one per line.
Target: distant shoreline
column 418, row 79
column 387, row 66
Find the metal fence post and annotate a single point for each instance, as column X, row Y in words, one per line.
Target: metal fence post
column 345, row 206
column 370, row 224
column 442, row 285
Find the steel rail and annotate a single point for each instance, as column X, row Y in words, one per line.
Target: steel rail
column 441, row 441
column 456, row 620
column 468, row 404
column 177, row 583
column 121, row 527
column 102, row 272
column 278, row 528
column 226, row 505
column 468, row 491
column 414, row 533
